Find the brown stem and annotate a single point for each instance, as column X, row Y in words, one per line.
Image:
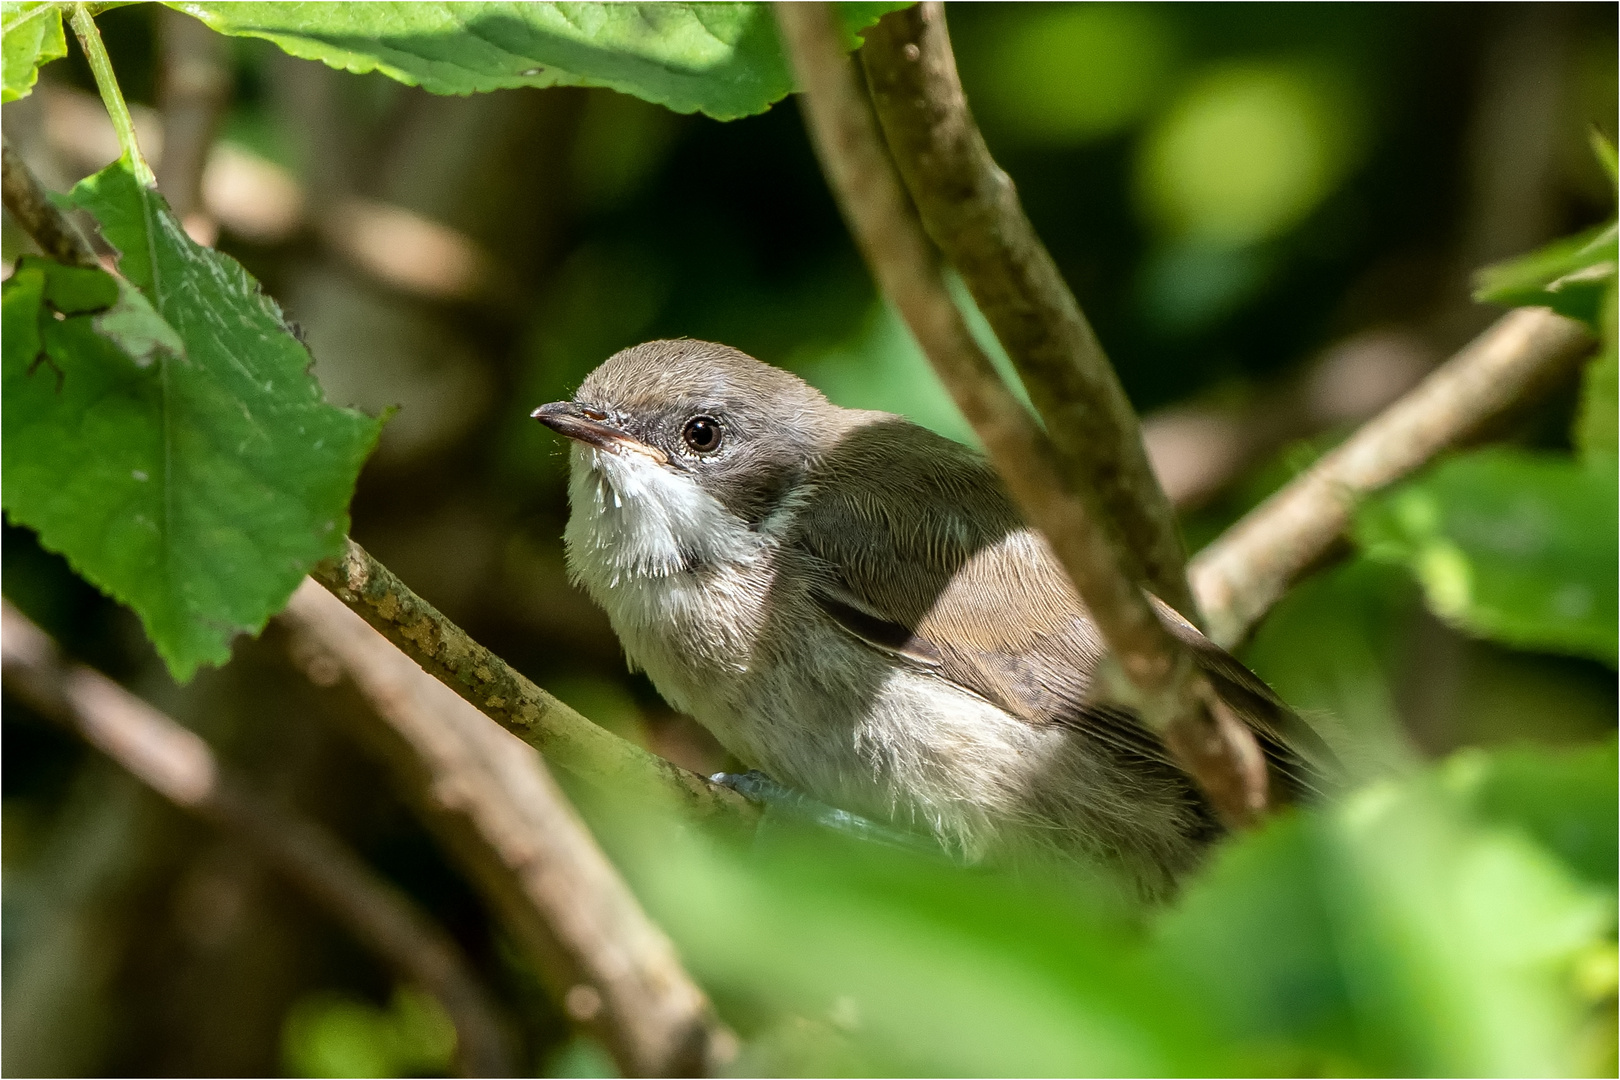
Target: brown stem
column 26, row 199
column 1171, row 691
column 1247, row 569
column 180, row 766
column 971, row 210
column 500, row 812
column 446, row 652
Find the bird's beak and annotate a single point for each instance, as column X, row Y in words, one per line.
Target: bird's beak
column 589, row 425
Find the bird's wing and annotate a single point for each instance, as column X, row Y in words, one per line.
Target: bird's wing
column 939, row 596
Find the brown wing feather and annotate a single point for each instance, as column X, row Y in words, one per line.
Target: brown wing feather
column 939, row 595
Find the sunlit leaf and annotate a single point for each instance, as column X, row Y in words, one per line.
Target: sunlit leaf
column 1391, row 935
column 1603, row 150
column 917, row 969
column 1596, row 419
column 329, row 1034
column 197, row 484
column 1510, row 545
column 724, row 60
column 30, row 37
column 1571, row 276
column 1565, row 799
column 120, row 312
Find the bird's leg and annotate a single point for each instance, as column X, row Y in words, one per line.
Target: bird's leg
column 785, row 805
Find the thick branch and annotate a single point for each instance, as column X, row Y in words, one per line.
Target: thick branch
column 1245, row 571
column 26, row 199
column 446, row 652
column 178, row 765
column 492, row 800
column 1174, row 696
column 971, row 210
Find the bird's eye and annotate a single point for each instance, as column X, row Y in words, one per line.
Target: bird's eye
column 702, row 434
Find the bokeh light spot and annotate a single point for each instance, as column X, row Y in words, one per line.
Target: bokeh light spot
column 1071, row 73
column 1245, row 154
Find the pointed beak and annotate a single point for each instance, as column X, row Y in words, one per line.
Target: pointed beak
column 589, row 425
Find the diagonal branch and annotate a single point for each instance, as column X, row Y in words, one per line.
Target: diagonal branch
column 970, row 209
column 1173, row 696
column 32, row 208
column 1249, row 567
column 491, row 800
column 445, row 651
column 180, row 766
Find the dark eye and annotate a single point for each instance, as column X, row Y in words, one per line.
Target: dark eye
column 702, row 434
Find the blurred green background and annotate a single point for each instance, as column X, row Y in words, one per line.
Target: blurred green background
column 1270, row 213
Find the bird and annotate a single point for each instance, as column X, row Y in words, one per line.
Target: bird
column 854, row 607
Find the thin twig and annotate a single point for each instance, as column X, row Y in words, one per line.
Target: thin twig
column 501, row 813
column 84, row 27
column 1247, row 569
column 32, row 208
column 176, row 763
column 970, row 208
column 446, row 652
column 193, row 95
column 1173, row 695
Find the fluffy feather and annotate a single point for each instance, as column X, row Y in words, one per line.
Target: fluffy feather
column 851, row 604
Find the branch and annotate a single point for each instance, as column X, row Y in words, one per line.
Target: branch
column 25, row 197
column 177, row 764
column 1173, row 695
column 493, row 802
column 95, row 53
column 971, row 210
column 1247, row 569
column 445, row 651
column 193, row 95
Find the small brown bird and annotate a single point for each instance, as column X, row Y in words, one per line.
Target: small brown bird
column 852, row 605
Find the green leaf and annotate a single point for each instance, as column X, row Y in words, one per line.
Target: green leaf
column 120, row 312
column 23, row 304
column 1510, row 545
column 923, row 969
column 1595, row 421
column 177, row 452
column 1394, row 934
column 74, row 290
column 1570, row 275
column 1603, row 150
column 722, row 59
column 1566, row 800
column 30, row 37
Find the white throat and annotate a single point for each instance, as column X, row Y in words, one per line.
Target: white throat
column 633, row 519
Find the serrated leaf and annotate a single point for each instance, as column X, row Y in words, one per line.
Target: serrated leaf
column 1571, row 276
column 721, row 59
column 200, row 488
column 30, row 37
column 1511, row 545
